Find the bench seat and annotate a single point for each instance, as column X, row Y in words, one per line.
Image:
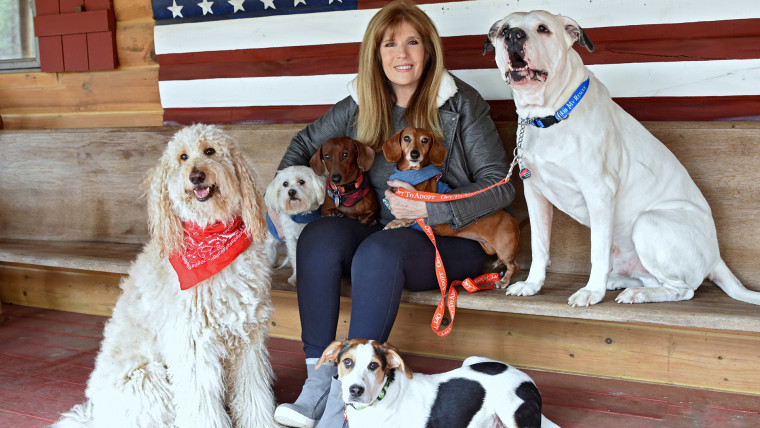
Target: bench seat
column 710, row 308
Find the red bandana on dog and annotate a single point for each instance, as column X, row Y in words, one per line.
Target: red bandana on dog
column 208, row 250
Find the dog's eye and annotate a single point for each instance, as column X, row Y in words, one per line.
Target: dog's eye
column 424, row 141
column 301, row 182
column 373, row 366
column 348, row 363
column 344, row 155
column 407, row 139
column 326, row 157
column 285, row 184
column 543, row 29
column 183, row 156
column 209, row 151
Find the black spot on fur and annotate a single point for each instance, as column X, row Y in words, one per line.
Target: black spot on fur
column 492, row 368
column 456, row 402
column 528, row 415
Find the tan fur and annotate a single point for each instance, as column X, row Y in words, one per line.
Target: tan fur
column 497, row 233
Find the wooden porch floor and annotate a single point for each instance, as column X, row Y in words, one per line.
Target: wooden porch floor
column 46, row 357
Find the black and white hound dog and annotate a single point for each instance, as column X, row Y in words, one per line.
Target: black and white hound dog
column 381, row 391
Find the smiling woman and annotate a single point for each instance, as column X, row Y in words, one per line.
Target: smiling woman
column 17, row 44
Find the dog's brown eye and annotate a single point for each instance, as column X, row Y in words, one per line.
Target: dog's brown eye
column 183, row 156
column 301, row 182
column 543, row 29
column 407, row 139
column 285, row 184
column 348, row 363
column 345, row 155
column 209, row 151
column 326, row 157
column 424, row 141
column 373, row 366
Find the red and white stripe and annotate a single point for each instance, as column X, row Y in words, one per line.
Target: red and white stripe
column 674, row 60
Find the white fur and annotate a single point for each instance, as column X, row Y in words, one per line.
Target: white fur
column 408, row 401
column 173, row 358
column 294, row 190
column 651, row 228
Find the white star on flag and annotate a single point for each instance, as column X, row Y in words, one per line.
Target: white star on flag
column 176, row 10
column 206, row 6
column 296, row 2
column 268, row 4
column 338, row 0
column 237, row 4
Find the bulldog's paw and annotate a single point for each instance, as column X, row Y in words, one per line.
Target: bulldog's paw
column 524, row 288
column 634, row 295
column 616, row 282
column 585, row 297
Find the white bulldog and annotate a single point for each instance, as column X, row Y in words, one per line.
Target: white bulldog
column 652, row 231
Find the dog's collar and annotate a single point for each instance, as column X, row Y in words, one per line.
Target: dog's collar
column 415, row 177
column 379, row 397
column 348, row 194
column 564, row 111
column 298, row 218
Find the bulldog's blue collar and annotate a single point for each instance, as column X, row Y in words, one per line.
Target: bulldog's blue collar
column 564, row 111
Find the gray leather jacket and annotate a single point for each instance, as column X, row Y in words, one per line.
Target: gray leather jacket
column 475, row 155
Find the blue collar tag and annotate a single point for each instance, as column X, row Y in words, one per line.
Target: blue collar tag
column 564, row 111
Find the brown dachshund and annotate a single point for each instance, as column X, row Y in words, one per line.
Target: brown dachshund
column 498, row 233
column 344, row 162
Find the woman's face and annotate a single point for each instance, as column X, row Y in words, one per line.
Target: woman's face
column 403, row 58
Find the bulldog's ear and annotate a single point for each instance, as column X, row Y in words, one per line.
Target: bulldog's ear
column 577, row 33
column 487, row 45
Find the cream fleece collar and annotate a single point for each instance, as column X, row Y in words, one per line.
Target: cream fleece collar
column 447, row 89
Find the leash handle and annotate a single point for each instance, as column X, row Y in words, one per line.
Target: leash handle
column 449, row 299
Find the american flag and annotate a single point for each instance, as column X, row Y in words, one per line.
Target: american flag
column 288, row 61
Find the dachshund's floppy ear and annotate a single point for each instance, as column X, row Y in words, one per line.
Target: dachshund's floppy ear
column 316, row 162
column 365, row 156
column 165, row 226
column 392, row 148
column 437, row 152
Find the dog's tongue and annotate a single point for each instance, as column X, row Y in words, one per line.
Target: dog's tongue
column 201, row 192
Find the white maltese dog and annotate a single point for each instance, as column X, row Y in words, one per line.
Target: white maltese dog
column 295, row 195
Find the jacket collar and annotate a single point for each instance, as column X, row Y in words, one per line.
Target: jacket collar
column 447, row 89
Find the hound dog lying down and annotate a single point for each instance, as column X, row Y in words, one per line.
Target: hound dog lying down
column 652, row 231
column 381, row 391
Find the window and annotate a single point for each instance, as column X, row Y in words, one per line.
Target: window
column 18, row 46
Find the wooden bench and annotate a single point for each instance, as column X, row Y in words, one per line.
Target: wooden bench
column 72, row 219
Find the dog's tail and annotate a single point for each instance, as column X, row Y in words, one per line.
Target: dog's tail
column 80, row 416
column 728, row 282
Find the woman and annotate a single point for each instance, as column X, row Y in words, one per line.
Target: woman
column 401, row 81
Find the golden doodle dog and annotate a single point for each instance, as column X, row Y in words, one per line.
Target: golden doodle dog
column 652, row 230
column 344, row 161
column 419, row 151
column 185, row 346
column 381, row 391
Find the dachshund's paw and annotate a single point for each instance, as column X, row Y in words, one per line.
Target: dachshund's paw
column 397, row 224
column 524, row 288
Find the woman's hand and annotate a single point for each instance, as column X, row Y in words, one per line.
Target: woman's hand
column 404, row 208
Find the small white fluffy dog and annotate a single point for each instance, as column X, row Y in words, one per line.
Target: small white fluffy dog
column 295, row 194
column 195, row 357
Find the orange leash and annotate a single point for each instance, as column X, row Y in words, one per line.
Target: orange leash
column 449, row 299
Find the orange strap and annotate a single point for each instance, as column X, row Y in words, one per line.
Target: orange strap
column 449, row 300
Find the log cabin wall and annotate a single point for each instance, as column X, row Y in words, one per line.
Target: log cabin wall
column 126, row 96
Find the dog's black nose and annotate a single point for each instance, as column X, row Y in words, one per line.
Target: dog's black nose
column 197, row 177
column 336, row 178
column 414, row 154
column 356, row 391
column 292, row 192
column 515, row 35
